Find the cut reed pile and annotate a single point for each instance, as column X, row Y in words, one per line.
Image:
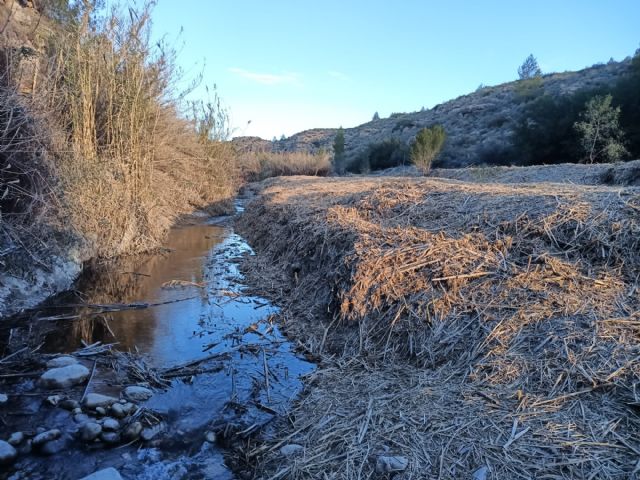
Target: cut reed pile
column 471, row 328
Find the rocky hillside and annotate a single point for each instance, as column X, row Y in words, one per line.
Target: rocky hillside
column 479, row 125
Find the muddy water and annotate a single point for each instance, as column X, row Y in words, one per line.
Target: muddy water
column 198, row 307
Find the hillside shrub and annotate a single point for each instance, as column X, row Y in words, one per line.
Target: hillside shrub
column 599, row 129
column 426, row 146
column 387, row 153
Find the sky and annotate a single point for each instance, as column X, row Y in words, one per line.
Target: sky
column 283, row 66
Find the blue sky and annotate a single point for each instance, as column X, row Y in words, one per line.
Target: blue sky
column 287, row 66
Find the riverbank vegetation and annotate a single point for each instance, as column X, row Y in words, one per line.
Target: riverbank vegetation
column 98, row 143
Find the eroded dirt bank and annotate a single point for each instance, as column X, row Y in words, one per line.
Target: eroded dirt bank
column 464, row 330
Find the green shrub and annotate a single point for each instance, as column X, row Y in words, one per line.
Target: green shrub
column 599, row 129
column 388, row 153
column 427, row 146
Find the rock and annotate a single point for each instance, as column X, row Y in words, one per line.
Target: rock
column 8, row 454
column 150, row 433
column 291, row 450
column 90, row 431
column 210, row 437
column 117, row 410
column 137, row 393
column 62, row 361
column 69, row 404
column 129, row 408
column 388, row 464
column 54, row 399
column 95, row 400
column 64, row 377
column 26, row 447
column 45, row 437
column 110, row 437
column 101, row 411
column 16, row 438
column 81, row 418
column 76, row 411
column 3, row 398
column 110, row 424
column 105, row 474
column 133, row 431
column 54, row 446
column 480, row 474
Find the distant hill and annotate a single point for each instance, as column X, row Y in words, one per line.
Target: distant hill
column 479, row 125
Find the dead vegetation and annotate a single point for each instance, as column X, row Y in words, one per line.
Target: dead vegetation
column 470, row 327
column 105, row 152
column 256, row 166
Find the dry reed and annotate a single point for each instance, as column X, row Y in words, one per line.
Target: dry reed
column 470, row 326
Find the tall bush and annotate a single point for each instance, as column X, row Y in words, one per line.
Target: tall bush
column 426, row 146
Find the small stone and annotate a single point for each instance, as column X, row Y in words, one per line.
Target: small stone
column 210, row 437
column 69, row 404
column 3, row 398
column 62, row 361
column 76, row 411
column 105, row 474
column 137, row 393
column 481, row 473
column 150, row 433
column 64, row 377
column 110, row 424
column 101, row 411
column 8, row 454
column 388, row 464
column 81, row 418
column 95, row 400
column 110, row 437
column 40, row 430
column 291, row 450
column 117, row 410
column 90, row 431
column 129, row 408
column 45, row 437
column 54, row 446
column 26, row 447
column 133, row 431
column 54, row 399
column 16, row 438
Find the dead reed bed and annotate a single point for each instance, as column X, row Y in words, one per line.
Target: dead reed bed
column 473, row 329
column 256, row 166
column 109, row 153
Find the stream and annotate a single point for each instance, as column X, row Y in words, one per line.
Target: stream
column 192, row 304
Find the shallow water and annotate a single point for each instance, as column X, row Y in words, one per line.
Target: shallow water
column 202, row 310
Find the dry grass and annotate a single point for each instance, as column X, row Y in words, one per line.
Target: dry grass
column 120, row 160
column 256, row 166
column 469, row 326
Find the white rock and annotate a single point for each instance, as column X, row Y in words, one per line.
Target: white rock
column 64, row 377
column 95, row 400
column 117, row 410
column 90, row 431
column 106, row 474
column 54, row 399
column 16, row 438
column 150, row 433
column 291, row 450
column 45, row 437
column 3, row 398
column 387, row 464
column 8, row 454
column 110, row 424
column 137, row 393
column 480, row 474
column 62, row 361
column 210, row 437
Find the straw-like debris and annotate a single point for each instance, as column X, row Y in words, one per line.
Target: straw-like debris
column 465, row 327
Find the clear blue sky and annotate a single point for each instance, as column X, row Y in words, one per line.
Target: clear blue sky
column 292, row 65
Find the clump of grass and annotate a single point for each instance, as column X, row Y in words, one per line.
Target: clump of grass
column 255, row 166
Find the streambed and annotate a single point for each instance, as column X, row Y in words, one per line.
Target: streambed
column 170, row 309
